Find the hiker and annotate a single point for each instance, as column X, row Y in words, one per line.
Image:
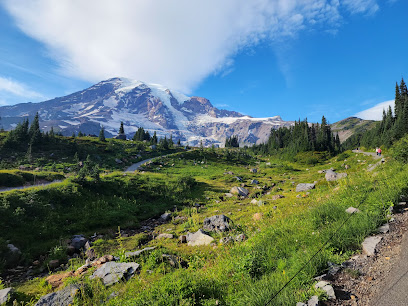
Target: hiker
column 376, row 150
column 379, row 151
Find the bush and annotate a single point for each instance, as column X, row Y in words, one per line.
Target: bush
column 400, row 150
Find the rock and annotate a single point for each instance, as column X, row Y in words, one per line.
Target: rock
column 333, row 176
column 277, row 196
column 78, row 242
column 229, row 195
column 239, row 179
column 104, row 259
column 229, row 172
column 255, row 182
column 175, row 261
column 199, row 238
column 62, row 297
column 57, row 280
column 165, row 216
column 5, row 295
column 53, row 264
column 254, row 170
column 241, row 191
column 218, row 223
column 352, row 210
column 384, row 228
column 87, row 245
column 113, row 272
column 370, row 245
column 165, row 236
column 321, row 171
column 82, row 269
column 300, row 304
column 226, row 240
column 326, row 287
column 304, row 187
column 346, row 167
column 313, row 301
column 257, row 216
column 118, row 161
column 183, row 239
column 139, row 252
column 70, row 250
column 254, row 201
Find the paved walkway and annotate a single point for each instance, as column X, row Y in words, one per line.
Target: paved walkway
column 395, row 289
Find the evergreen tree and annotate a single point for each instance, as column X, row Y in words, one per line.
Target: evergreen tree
column 154, row 139
column 34, row 131
column 179, row 142
column 102, row 134
column 121, row 129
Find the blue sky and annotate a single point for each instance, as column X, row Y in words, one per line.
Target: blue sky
column 293, row 58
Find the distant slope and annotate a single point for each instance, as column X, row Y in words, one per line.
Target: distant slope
column 351, row 125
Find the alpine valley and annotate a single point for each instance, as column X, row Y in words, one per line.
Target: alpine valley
column 138, row 104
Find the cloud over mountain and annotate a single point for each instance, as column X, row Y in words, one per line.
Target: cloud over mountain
column 177, row 43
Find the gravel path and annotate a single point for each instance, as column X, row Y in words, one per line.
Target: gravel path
column 136, row 166
column 29, row 186
column 373, row 154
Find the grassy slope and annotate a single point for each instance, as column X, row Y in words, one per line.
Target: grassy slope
column 349, row 126
column 249, row 273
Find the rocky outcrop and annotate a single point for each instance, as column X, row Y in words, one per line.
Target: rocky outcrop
column 5, row 295
column 334, row 176
column 304, row 187
column 241, row 191
column 219, row 223
column 199, row 238
column 62, row 297
column 113, row 272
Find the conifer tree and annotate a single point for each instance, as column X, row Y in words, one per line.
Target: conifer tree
column 121, row 129
column 102, row 134
column 34, row 132
column 154, row 139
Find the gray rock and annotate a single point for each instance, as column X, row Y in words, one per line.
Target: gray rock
column 326, row 287
column 304, row 187
column 333, row 176
column 300, row 304
column 62, row 297
column 165, row 236
column 229, row 195
column 118, row 161
column 313, row 301
column 138, row 253
column 254, row 170
column 241, row 191
column 113, row 272
column 238, row 179
column 78, row 242
column 240, row 238
column 352, row 210
column 218, row 223
column 165, row 216
column 370, row 245
column 199, row 238
column 255, row 182
column 384, row 228
column 5, row 295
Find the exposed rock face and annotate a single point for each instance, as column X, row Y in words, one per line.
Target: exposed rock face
column 241, row 191
column 333, row 176
column 154, row 107
column 304, row 187
column 5, row 295
column 112, row 272
column 199, row 238
column 219, row 223
column 63, row 297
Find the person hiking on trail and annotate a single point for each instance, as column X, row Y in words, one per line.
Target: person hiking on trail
column 376, row 151
column 379, row 152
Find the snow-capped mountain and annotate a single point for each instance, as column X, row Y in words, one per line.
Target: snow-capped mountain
column 138, row 104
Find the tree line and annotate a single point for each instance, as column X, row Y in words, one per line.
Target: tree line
column 392, row 127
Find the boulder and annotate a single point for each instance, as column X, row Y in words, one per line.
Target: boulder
column 62, row 297
column 384, row 228
column 255, row 182
column 218, row 223
column 165, row 236
column 370, row 245
column 78, row 242
column 165, row 216
column 326, row 287
column 241, row 191
column 104, row 259
column 118, row 161
column 138, row 253
column 53, row 264
column 254, row 170
column 199, row 238
column 254, row 201
column 333, row 176
column 5, row 295
column 304, row 187
column 313, row 301
column 113, row 272
column 352, row 210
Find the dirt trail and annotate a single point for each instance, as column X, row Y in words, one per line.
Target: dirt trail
column 373, row 154
column 40, row 184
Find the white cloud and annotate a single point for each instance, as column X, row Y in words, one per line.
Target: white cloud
column 375, row 112
column 176, row 43
column 8, row 86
